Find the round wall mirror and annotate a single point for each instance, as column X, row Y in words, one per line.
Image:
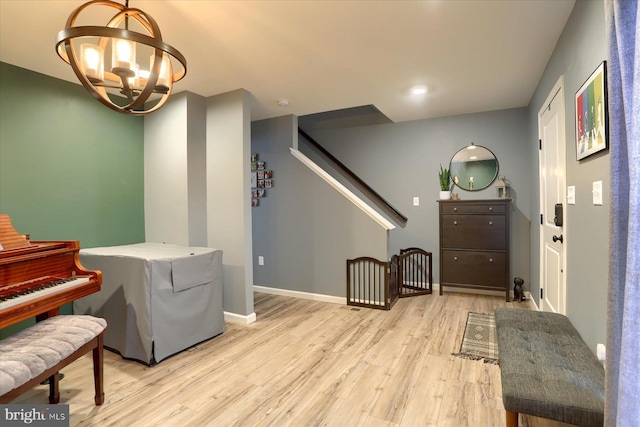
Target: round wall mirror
column 473, row 168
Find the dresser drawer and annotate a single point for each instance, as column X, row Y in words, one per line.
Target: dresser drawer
column 474, row 232
column 469, row 208
column 474, row 268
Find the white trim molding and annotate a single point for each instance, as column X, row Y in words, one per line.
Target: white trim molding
column 299, row 294
column 239, row 318
column 373, row 214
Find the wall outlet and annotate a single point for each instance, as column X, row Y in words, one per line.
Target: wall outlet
column 416, row 201
column 260, row 260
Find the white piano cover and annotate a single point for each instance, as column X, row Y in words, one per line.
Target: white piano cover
column 158, row 299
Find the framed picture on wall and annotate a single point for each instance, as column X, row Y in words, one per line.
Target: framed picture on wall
column 592, row 123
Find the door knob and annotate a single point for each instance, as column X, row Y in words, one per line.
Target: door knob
column 556, row 238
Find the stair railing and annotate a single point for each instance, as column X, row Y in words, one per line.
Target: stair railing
column 369, row 192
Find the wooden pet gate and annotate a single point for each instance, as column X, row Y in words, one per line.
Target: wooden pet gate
column 377, row 284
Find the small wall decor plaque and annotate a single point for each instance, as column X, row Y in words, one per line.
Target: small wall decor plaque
column 260, row 179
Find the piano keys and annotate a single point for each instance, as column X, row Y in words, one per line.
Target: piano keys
column 37, row 288
column 31, row 274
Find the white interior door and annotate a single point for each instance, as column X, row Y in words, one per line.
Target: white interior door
column 551, row 130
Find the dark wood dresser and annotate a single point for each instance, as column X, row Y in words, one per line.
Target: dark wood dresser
column 474, row 244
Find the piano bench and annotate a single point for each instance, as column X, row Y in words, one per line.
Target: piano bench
column 40, row 351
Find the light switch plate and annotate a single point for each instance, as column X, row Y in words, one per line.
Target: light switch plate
column 416, row 201
column 571, row 195
column 597, row 193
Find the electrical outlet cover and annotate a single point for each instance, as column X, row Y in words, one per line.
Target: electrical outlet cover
column 597, row 193
column 571, row 195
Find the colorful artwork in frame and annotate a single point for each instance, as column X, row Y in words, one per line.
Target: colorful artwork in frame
column 591, row 114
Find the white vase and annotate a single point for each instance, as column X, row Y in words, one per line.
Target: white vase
column 445, row 195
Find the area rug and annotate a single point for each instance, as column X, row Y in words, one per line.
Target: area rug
column 480, row 341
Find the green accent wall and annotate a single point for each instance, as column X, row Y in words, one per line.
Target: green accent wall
column 70, row 168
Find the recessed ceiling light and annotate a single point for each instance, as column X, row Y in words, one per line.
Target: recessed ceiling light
column 283, row 102
column 419, row 90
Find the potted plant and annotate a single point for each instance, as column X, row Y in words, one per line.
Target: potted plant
column 445, row 183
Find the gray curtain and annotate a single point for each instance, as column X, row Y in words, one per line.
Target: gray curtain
column 622, row 401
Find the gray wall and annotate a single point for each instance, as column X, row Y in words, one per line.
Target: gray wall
column 304, row 229
column 580, row 49
column 401, row 160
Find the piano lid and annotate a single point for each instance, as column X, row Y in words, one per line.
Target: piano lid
column 25, row 264
column 13, row 243
column 9, row 237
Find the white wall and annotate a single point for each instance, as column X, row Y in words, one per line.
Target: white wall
column 174, row 170
column 228, row 164
column 197, row 169
column 165, row 173
column 197, row 153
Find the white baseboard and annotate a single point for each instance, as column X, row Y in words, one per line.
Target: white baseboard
column 343, row 301
column 527, row 295
column 239, row 318
column 299, row 294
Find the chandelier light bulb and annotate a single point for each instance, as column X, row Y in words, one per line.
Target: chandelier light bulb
column 164, row 77
column 123, row 55
column 92, row 62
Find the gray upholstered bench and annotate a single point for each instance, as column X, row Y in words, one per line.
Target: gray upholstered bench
column 547, row 370
column 40, row 351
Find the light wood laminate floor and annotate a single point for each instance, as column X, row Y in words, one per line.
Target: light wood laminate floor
column 307, row 363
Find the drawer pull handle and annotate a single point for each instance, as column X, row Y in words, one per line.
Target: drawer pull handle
column 455, row 209
column 490, row 222
column 455, row 222
column 490, row 259
column 490, row 209
column 455, row 258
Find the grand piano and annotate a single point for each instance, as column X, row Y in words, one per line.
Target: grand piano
column 38, row 277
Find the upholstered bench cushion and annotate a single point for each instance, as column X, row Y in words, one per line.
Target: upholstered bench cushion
column 32, row 351
column 547, row 370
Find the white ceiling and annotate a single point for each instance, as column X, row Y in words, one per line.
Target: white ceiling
column 473, row 55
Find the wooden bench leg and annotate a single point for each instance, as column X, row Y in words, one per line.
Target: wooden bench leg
column 54, row 390
column 512, row 419
column 98, row 363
